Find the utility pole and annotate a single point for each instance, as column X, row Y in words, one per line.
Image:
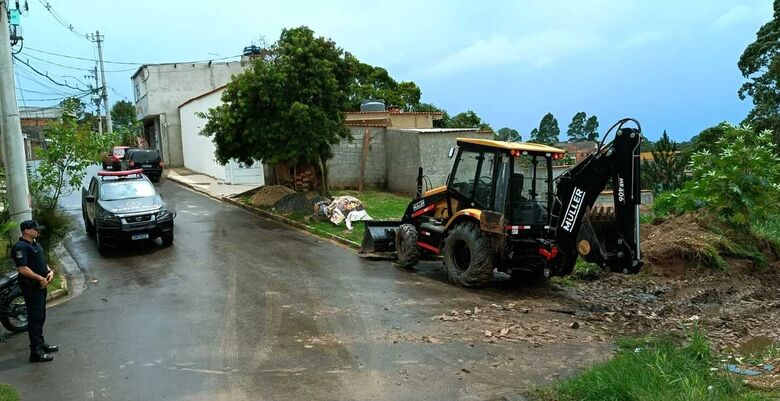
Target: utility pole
column 13, row 141
column 96, row 99
column 99, row 40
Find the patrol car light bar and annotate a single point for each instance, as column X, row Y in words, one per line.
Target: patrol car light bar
column 124, row 173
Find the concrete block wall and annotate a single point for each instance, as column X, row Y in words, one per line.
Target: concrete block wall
column 403, row 160
column 344, row 167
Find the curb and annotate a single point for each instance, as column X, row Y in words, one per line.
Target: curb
column 269, row 215
column 66, row 262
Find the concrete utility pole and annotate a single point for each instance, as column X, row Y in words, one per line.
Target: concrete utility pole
column 13, row 141
column 96, row 99
column 99, row 40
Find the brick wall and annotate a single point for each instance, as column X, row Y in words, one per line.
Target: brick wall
column 344, row 167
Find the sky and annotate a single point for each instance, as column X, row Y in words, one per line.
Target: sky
column 670, row 64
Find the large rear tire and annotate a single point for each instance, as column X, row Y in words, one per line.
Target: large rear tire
column 468, row 257
column 406, row 246
column 15, row 324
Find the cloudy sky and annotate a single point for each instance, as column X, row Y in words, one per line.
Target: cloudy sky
column 671, row 64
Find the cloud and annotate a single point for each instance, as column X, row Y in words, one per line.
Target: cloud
column 534, row 50
column 644, row 38
column 737, row 15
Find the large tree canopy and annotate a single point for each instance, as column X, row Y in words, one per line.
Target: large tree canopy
column 583, row 128
column 376, row 83
column 548, row 130
column 760, row 65
column 288, row 106
column 508, row 134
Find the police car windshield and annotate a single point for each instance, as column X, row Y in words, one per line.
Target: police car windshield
column 126, row 190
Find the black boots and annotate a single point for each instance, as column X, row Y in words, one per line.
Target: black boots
column 40, row 356
column 49, row 348
column 43, row 353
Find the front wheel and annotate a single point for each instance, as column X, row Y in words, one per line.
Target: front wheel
column 88, row 226
column 167, row 238
column 468, row 257
column 101, row 242
column 406, row 246
column 15, row 304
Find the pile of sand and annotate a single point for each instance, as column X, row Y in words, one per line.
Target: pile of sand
column 676, row 243
column 269, row 195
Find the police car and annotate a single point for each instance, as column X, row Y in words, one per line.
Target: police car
column 122, row 206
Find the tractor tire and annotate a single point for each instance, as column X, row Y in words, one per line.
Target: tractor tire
column 406, row 246
column 468, row 258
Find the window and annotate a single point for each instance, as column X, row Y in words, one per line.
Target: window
column 529, row 189
column 463, row 179
column 484, row 186
column 126, row 190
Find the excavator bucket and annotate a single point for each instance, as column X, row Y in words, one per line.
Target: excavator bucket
column 379, row 238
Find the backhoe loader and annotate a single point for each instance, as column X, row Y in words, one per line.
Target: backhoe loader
column 502, row 209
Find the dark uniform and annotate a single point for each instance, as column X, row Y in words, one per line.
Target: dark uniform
column 31, row 254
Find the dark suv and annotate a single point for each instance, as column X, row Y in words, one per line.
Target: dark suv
column 147, row 159
column 119, row 206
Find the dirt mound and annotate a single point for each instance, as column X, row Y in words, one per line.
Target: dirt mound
column 676, row 244
column 298, row 203
column 269, row 195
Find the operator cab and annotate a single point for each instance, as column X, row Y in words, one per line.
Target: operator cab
column 511, row 178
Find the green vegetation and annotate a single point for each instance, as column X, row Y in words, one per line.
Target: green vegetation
column 651, row 369
column 8, row 393
column 548, row 130
column 379, row 205
column 583, row 128
column 667, row 170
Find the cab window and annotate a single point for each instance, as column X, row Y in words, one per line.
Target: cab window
column 465, row 173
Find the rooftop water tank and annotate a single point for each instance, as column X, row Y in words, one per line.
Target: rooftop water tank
column 372, row 105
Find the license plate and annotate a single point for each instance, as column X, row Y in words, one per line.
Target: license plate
column 139, row 236
column 146, row 165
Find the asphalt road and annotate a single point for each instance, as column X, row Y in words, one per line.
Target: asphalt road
column 241, row 308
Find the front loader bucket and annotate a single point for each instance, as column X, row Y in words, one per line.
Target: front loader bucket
column 379, row 237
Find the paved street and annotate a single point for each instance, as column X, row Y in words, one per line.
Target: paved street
column 241, row 308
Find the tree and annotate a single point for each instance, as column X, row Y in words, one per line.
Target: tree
column 576, row 131
column 467, row 119
column 73, row 107
column 376, row 83
column 123, row 114
column 592, row 128
column 667, row 170
column 548, row 130
column 286, row 107
column 508, row 134
column 760, row 65
column 708, row 139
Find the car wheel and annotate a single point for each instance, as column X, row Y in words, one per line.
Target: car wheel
column 406, row 246
column 101, row 242
column 88, row 226
column 468, row 258
column 105, row 166
column 167, row 238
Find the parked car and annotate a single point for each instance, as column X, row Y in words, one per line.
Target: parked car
column 147, row 159
column 114, row 158
column 120, row 206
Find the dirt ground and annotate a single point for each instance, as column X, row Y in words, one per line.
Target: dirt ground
column 738, row 308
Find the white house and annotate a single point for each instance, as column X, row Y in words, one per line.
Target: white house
column 198, row 150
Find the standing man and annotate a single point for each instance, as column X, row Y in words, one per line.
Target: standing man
column 35, row 276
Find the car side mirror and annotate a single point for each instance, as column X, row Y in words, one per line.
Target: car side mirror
column 90, row 198
column 451, row 153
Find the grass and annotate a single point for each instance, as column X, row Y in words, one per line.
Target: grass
column 650, row 369
column 379, row 205
column 8, row 393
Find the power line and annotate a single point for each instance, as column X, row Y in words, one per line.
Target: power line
column 62, row 21
column 46, row 75
column 34, row 79
column 57, row 64
column 58, row 98
column 127, row 62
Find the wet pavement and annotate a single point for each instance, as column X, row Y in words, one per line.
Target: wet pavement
column 241, row 308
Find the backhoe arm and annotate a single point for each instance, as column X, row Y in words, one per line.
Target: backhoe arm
column 616, row 249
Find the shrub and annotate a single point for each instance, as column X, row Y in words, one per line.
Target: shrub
column 738, row 183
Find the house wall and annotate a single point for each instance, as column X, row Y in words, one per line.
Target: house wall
column 434, row 153
column 198, row 150
column 344, row 167
column 411, row 120
column 161, row 88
